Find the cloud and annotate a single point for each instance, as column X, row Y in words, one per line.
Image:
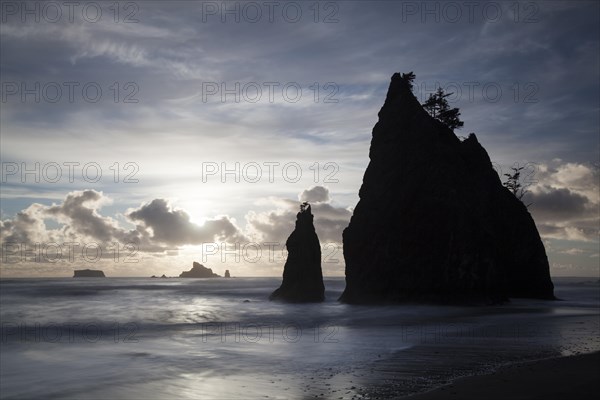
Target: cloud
column 159, row 227
column 77, row 220
column 173, row 227
column 551, row 203
column 565, row 201
column 580, row 178
column 26, row 227
column 276, row 225
column 573, row 251
column 79, row 214
column 316, row 194
column 569, row 233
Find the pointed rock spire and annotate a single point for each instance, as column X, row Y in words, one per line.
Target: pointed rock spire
column 302, row 275
column 434, row 222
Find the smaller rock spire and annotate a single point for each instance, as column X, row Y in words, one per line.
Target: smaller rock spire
column 302, row 274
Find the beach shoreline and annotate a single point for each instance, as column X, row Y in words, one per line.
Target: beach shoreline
column 553, row 378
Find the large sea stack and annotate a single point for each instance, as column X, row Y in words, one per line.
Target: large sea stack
column 434, row 222
column 302, row 275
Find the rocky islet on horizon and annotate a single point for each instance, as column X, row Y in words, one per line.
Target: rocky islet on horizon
column 88, row 273
column 198, row 271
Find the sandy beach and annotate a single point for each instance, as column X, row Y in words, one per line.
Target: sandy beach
column 562, row 378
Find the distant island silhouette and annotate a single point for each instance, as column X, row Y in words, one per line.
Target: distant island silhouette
column 198, row 271
column 88, row 273
column 434, row 222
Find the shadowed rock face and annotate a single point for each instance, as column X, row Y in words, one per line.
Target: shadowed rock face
column 198, row 271
column 88, row 273
column 434, row 222
column 302, row 275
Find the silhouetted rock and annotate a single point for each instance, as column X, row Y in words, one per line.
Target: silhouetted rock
column 88, row 273
column 198, row 271
column 302, row 275
column 154, row 276
column 434, row 222
column 163, row 276
column 227, row 275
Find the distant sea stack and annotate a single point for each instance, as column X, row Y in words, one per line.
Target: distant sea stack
column 88, row 273
column 198, row 271
column 227, row 274
column 434, row 222
column 302, row 275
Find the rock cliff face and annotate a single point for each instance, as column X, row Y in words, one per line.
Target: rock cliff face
column 227, row 274
column 302, row 275
column 434, row 222
column 88, row 273
column 198, row 271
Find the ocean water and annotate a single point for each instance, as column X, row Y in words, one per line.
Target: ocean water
column 142, row 338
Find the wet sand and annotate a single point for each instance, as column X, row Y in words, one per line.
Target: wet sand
column 575, row 377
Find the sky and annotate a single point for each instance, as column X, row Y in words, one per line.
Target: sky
column 139, row 136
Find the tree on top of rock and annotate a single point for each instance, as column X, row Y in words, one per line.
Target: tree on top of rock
column 409, row 78
column 437, row 106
